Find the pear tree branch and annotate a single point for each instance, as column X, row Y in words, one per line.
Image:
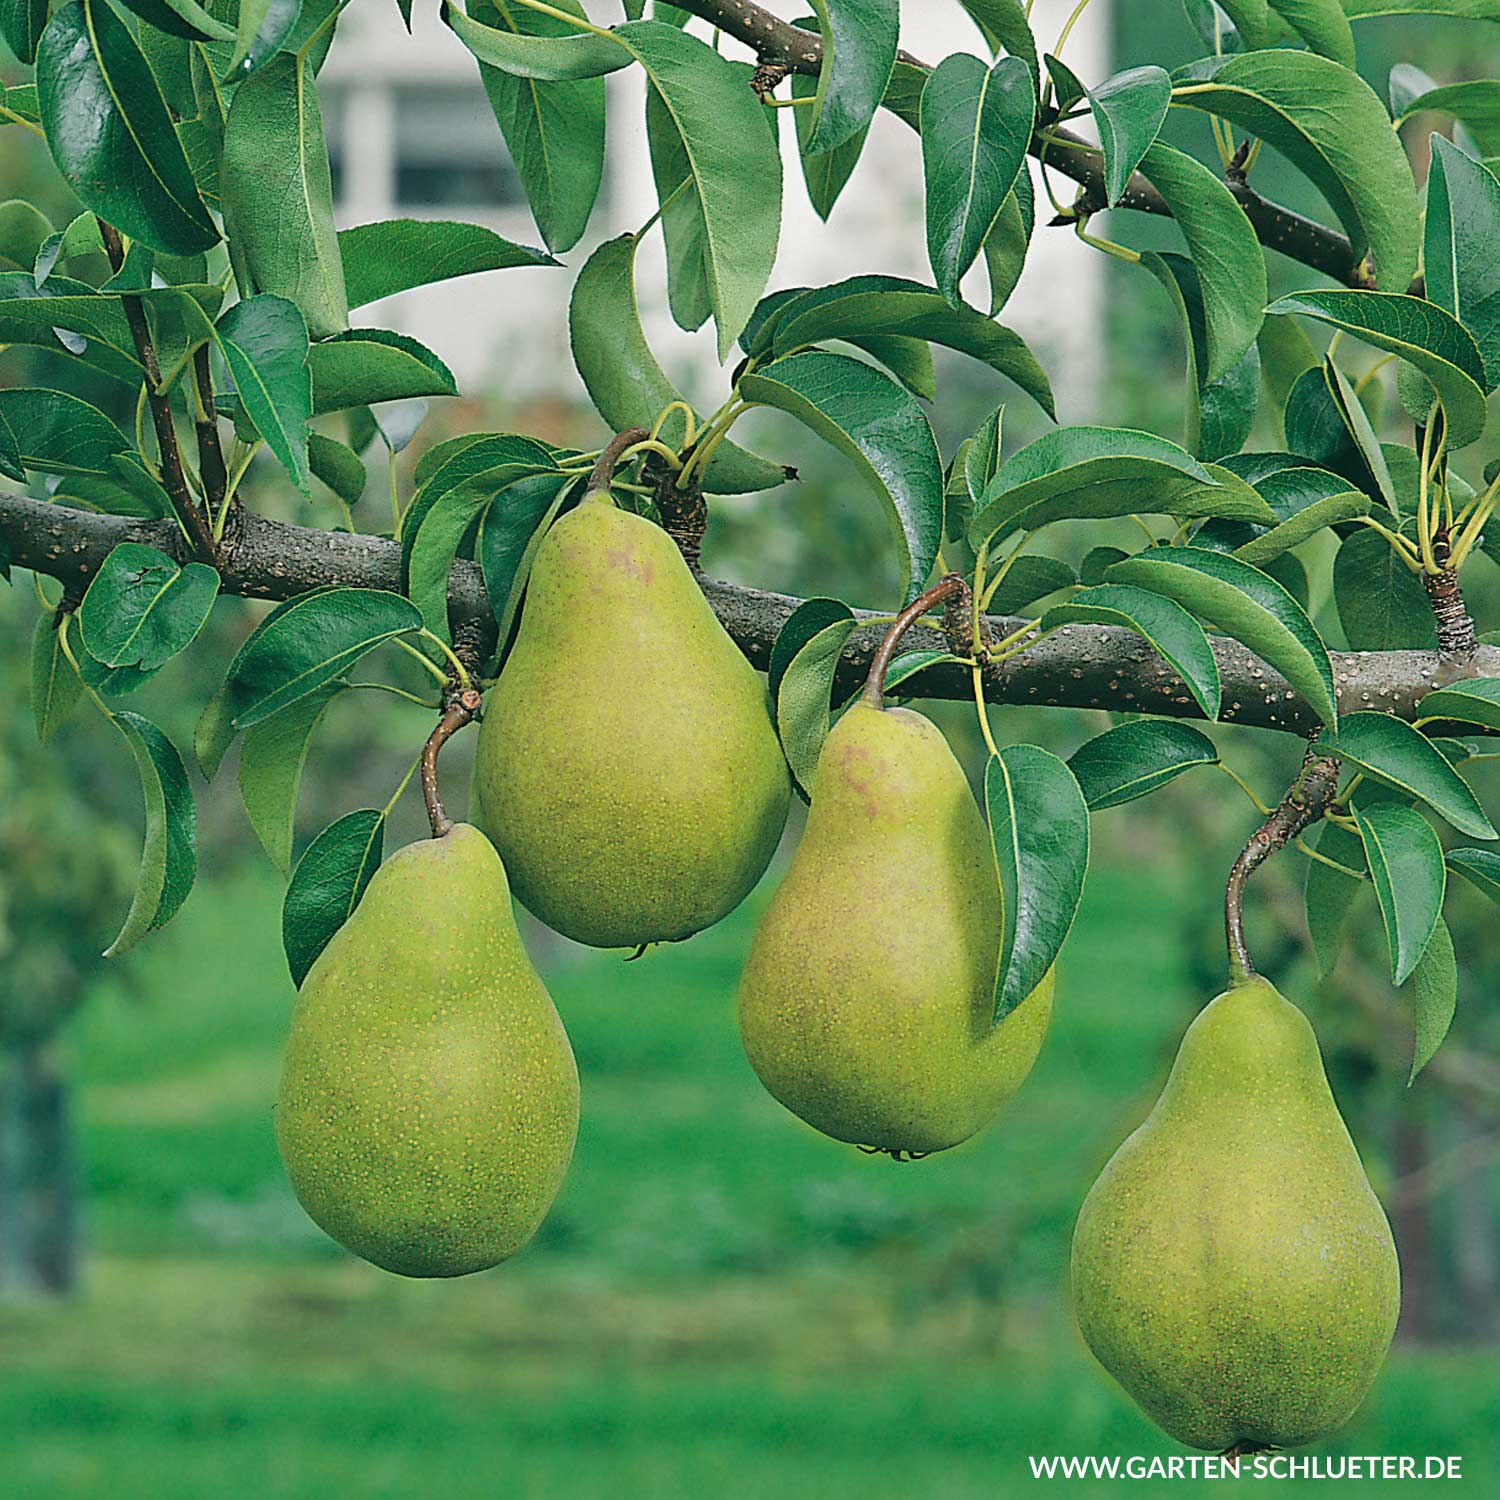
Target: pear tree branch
column 1078, row 666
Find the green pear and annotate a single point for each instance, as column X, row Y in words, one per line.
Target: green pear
column 1232, row 1268
column 627, row 768
column 429, row 1100
column 867, row 1001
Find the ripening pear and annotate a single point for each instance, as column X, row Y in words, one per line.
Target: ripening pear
column 627, row 768
column 867, row 1001
column 1232, row 1268
column 429, row 1100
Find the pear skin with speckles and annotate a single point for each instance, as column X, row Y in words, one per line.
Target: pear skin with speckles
column 1232, row 1267
column 867, row 999
column 429, row 1099
column 627, row 767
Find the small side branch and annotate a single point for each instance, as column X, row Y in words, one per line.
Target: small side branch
column 1457, row 639
column 1305, row 803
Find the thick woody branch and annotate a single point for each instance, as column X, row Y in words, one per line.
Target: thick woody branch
column 1079, row 666
column 1277, row 228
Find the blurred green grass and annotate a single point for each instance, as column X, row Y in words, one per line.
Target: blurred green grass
column 722, row 1302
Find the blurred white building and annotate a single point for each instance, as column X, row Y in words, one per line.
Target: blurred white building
column 411, row 134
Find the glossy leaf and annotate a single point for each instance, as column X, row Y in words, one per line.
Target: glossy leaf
column 1244, row 603
column 21, row 23
column 1004, row 26
column 1328, row 122
column 553, row 130
column 1382, row 605
column 1473, row 102
column 277, row 195
column 508, row 537
column 1039, row 824
column 1329, row 894
column 824, row 172
column 369, row 365
column 1480, row 867
column 264, row 343
column 624, row 381
column 1224, row 250
column 976, row 124
column 55, row 686
column 1434, row 997
column 912, row 664
column 1128, row 110
column 270, row 771
column 1169, row 629
column 1136, row 759
column 1421, row 334
column 804, row 622
column 1095, row 472
column 261, row 28
column 879, row 428
column 337, row 465
column 185, row 19
column 1461, row 231
column 308, row 641
column 1028, row 579
column 547, row 54
column 859, row 51
column 1390, row 749
column 327, row 885
column 110, row 133
column 803, row 694
column 1322, row 24
column 142, row 608
column 1305, row 523
column 394, row 255
column 1406, row 869
column 169, row 858
column 58, row 433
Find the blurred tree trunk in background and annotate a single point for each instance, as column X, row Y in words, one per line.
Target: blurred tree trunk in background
column 39, row 1218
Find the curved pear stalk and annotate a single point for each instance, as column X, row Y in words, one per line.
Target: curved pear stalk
column 950, row 586
column 464, row 709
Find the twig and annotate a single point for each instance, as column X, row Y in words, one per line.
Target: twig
column 462, row 709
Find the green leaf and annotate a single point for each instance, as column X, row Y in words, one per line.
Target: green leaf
column 1434, row 997
column 394, row 255
column 1462, row 229
column 1381, row 603
column 554, row 130
column 1480, row 867
column 1329, row 894
column 1246, row 604
column 807, row 620
column 804, row 683
column 308, row 641
column 508, row 537
column 327, row 885
column 55, row 686
column 368, row 365
column 284, row 240
column 169, row 858
column 21, row 23
column 1169, row 629
column 908, row 359
column 109, row 131
column 734, row 161
column 1003, row 24
column 624, row 381
column 1420, row 333
column 1352, row 413
column 262, row 27
column 859, row 51
column 547, row 54
column 1028, row 579
column 142, row 609
column 1474, row 102
column 1224, row 250
column 976, row 124
column 1132, row 760
column 912, row 663
column 879, row 428
column 271, row 761
column 180, row 18
column 28, row 310
column 1473, row 700
column 1079, row 473
column 824, row 172
column 1406, row 869
column 1009, row 239
column 1307, row 522
column 1391, row 750
column 1322, row 24
column 338, row 466
column 1331, row 125
column 683, row 230
column 873, row 306
column 24, row 229
column 59, row 433
column 980, row 463
column 1128, row 109
column 1039, row 824
column 264, row 343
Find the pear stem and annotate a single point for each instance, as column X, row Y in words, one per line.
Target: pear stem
column 946, row 587
column 463, row 709
column 604, row 471
column 1305, row 802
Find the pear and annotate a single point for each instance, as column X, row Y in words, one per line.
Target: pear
column 867, row 1000
column 429, row 1101
column 1232, row 1268
column 627, row 768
